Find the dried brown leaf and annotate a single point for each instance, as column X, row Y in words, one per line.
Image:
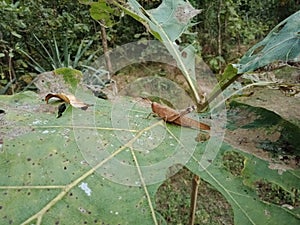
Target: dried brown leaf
column 59, row 96
column 68, row 98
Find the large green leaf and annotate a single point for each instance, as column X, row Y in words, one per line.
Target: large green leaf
column 281, row 44
column 45, row 163
column 261, row 187
column 104, row 165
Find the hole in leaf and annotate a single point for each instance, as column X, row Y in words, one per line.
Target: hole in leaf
column 82, row 210
column 233, row 162
column 173, row 201
column 257, row 50
column 276, row 194
column 100, row 94
column 278, row 29
column 61, row 109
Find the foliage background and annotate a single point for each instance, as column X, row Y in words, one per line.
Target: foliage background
column 241, row 23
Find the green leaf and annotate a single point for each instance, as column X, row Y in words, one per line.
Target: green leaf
column 227, row 78
column 281, row 44
column 167, row 22
column 101, row 11
column 229, row 75
column 14, row 33
column 86, row 2
column 172, row 17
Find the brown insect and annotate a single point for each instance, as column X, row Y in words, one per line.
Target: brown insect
column 178, row 117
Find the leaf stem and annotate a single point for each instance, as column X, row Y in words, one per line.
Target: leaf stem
column 144, row 186
column 194, row 195
column 33, row 187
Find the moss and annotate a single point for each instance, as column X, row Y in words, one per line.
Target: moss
column 71, row 76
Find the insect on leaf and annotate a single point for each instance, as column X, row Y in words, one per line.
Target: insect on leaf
column 177, row 117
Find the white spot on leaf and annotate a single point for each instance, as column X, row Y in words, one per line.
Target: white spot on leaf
column 36, row 122
column 85, row 188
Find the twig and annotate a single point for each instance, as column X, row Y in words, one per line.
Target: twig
column 194, row 195
column 105, row 48
column 220, row 33
column 10, row 70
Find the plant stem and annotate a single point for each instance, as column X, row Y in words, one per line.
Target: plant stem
column 105, row 48
column 11, row 72
column 194, row 195
column 219, row 34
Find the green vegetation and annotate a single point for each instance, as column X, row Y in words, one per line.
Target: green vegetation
column 112, row 163
column 41, row 36
column 65, row 28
